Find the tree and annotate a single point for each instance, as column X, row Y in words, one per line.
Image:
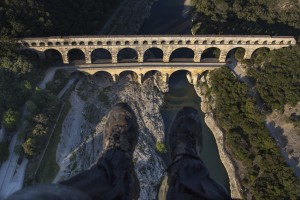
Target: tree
column 41, row 119
column 30, row 147
column 40, row 130
column 10, row 120
column 17, row 64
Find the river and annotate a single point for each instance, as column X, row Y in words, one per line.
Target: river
column 171, row 17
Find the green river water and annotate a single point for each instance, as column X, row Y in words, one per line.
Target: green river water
column 167, row 18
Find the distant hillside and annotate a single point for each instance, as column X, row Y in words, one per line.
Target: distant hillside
column 54, row 17
column 248, row 17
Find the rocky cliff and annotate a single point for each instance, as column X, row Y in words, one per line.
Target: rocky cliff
column 82, row 133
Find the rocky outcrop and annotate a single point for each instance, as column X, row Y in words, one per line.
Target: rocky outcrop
column 82, row 133
column 207, row 104
column 286, row 135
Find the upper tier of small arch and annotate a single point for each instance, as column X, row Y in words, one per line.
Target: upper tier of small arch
column 140, row 40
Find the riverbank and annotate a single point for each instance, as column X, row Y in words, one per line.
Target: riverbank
column 207, row 105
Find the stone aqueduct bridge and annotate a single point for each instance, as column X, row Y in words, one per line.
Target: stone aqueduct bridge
column 141, row 43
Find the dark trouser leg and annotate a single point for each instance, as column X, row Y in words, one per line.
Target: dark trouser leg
column 188, row 178
column 112, row 178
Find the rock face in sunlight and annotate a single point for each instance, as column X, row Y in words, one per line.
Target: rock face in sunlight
column 82, row 133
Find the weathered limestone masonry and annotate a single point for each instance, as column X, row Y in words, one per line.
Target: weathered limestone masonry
column 141, row 71
column 140, row 44
column 167, row 44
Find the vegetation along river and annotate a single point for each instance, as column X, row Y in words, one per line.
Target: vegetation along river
column 171, row 17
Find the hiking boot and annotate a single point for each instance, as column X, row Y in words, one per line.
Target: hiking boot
column 185, row 136
column 121, row 129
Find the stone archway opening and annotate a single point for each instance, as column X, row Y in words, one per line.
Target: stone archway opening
column 54, row 56
column 211, row 55
column 128, row 76
column 101, row 56
column 259, row 54
column 127, row 55
column 103, row 78
column 182, row 55
column 152, row 74
column 236, row 54
column 178, row 80
column 76, row 56
column 153, row 55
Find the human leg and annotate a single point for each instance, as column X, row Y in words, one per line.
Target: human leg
column 113, row 177
column 187, row 176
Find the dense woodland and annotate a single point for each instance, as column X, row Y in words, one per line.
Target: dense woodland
column 275, row 76
column 247, row 17
column 265, row 174
column 20, row 72
column 54, row 17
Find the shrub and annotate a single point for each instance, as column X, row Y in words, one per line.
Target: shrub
column 10, row 120
column 160, row 147
column 30, row 147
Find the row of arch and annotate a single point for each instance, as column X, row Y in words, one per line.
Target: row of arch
column 155, row 42
column 192, row 78
column 101, row 55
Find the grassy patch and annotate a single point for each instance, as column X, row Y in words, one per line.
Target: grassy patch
column 49, row 168
column 160, row 147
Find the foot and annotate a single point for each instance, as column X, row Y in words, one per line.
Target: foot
column 121, row 129
column 185, row 136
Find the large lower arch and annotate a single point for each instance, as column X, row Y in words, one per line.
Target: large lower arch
column 103, row 77
column 211, row 55
column 182, row 55
column 101, row 56
column 128, row 75
column 180, row 80
column 127, row 55
column 76, row 56
column 54, row 56
column 153, row 55
column 260, row 53
column 237, row 53
column 152, row 73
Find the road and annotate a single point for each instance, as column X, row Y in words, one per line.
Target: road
column 144, row 65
